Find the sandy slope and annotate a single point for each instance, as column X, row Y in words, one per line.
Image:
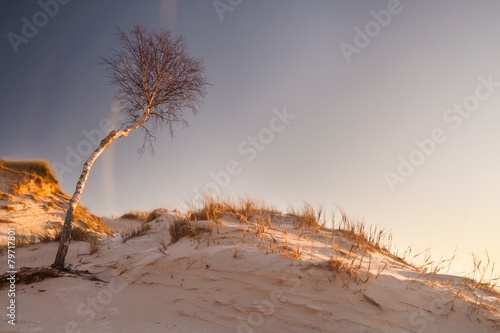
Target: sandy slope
column 236, row 281
column 32, row 213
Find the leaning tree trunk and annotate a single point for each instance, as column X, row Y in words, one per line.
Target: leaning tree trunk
column 75, row 199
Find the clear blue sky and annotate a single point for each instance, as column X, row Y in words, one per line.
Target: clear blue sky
column 360, row 80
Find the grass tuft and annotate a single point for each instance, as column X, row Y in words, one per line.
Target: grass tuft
column 84, row 219
column 23, row 240
column 181, row 227
column 94, row 245
column 142, row 230
column 77, row 234
column 153, row 215
column 307, row 217
column 137, row 215
column 39, row 168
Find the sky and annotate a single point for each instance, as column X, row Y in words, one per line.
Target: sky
column 388, row 110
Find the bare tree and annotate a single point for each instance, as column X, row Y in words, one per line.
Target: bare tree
column 157, row 82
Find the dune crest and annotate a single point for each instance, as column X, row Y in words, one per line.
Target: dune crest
column 236, row 266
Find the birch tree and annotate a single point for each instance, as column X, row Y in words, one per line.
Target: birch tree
column 156, row 83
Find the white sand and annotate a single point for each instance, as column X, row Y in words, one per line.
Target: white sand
column 233, row 281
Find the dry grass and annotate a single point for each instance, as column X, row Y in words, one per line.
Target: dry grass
column 142, row 230
column 22, row 239
column 162, row 241
column 33, row 179
column 29, row 238
column 138, row 215
column 374, row 239
column 307, row 217
column 296, row 253
column 260, row 217
column 84, row 219
column 236, row 252
column 357, row 269
column 10, row 208
column 6, row 221
column 25, row 240
column 50, row 235
column 46, row 236
column 49, row 205
column 154, row 215
column 482, row 276
column 212, row 209
column 6, row 197
column 341, row 266
column 35, row 186
column 370, row 239
column 181, row 227
column 242, row 208
column 425, row 264
column 39, row 168
column 94, row 245
column 77, row 234
column 356, row 263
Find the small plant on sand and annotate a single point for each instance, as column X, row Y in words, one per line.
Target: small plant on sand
column 77, row 234
column 45, row 236
column 306, row 217
column 178, row 229
column 211, row 209
column 296, row 253
column 85, row 219
column 162, row 241
column 369, row 239
column 339, row 266
column 482, row 277
column 25, row 239
column 142, row 230
column 94, row 245
column 236, row 251
column 154, row 215
column 181, row 227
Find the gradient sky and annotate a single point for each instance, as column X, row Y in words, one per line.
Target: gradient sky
column 354, row 118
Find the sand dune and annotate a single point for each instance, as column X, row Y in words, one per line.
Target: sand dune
column 237, row 270
column 234, row 280
column 36, row 205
